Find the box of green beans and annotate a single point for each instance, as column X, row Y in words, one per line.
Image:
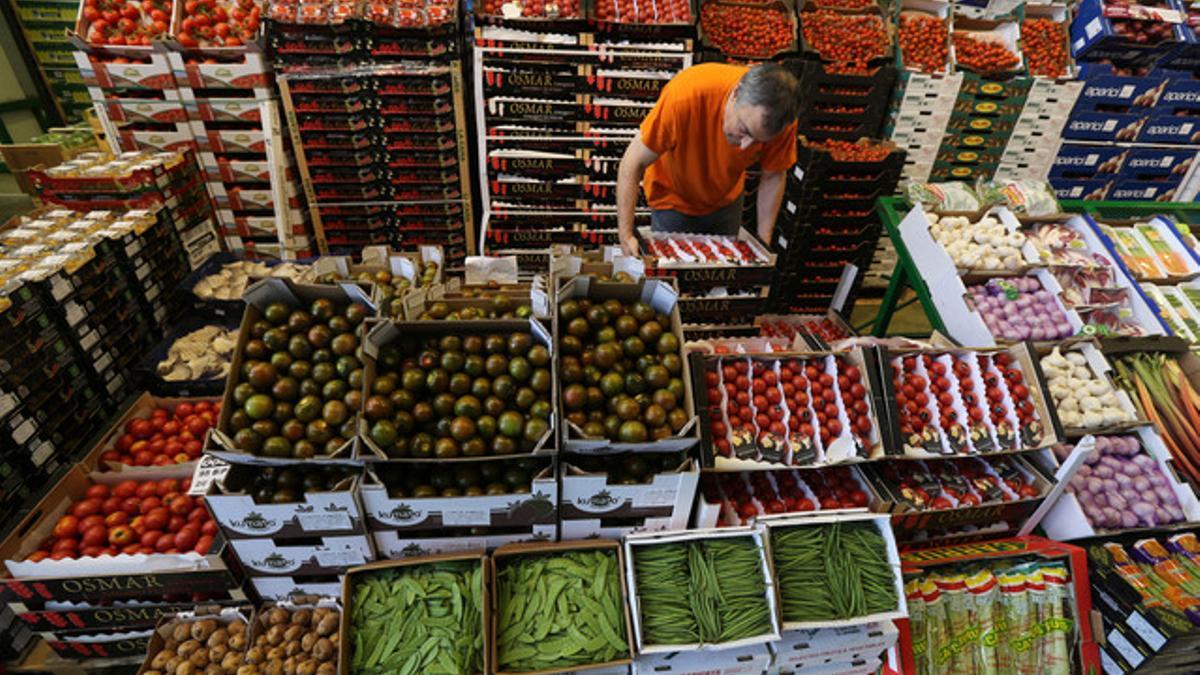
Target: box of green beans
column 701, row 589
column 559, row 608
column 418, row 615
column 835, row 570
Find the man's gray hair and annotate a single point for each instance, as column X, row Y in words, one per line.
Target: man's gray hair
column 776, row 89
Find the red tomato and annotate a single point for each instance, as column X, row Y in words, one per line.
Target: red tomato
column 125, row 489
column 70, row 545
column 175, row 523
column 164, row 543
column 209, row 527
column 131, row 505
column 120, row 535
column 204, row 544
column 98, row 492
column 150, row 538
column 111, row 505
column 157, row 518
column 67, row 526
column 168, row 485
column 185, row 539
column 89, row 522
column 37, row 556
column 147, row 489
column 95, row 536
column 179, row 506
column 85, row 508
column 139, row 428
column 197, row 425
column 116, row 518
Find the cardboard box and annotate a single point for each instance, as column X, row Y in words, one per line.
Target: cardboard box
column 317, row 514
column 384, row 332
column 1094, row 36
column 757, row 534
column 315, row 556
column 261, row 624
column 799, row 650
column 140, row 409
column 662, row 297
column 78, row 616
column 667, row 495
column 1085, row 655
column 748, row 660
column 345, row 654
column 881, row 522
column 257, row 297
column 511, row 551
column 412, row 515
column 704, row 275
column 396, row 544
column 224, row 616
column 283, row 588
column 74, row 645
column 105, row 577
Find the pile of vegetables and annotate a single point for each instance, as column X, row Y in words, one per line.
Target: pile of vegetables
column 1166, row 572
column 832, row 571
column 1163, row 395
column 985, row 245
column 1019, row 308
column 559, row 611
column 1083, row 398
column 725, row 597
column 1007, row 617
column 300, row 640
column 418, row 619
column 208, row 645
column 1121, row 487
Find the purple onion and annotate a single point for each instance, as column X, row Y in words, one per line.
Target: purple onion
column 1165, row 494
column 1128, row 519
column 1142, row 484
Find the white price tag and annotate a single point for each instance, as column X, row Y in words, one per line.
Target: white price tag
column 324, row 522
column 340, row 558
column 465, row 517
column 210, row 470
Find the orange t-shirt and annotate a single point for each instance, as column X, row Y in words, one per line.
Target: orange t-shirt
column 697, row 171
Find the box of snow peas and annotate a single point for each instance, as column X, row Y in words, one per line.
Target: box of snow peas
column 418, row 615
column 835, row 570
column 701, row 589
column 558, row 607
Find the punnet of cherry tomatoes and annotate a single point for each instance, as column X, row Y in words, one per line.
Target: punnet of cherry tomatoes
column 402, row 13
column 316, row 13
column 847, row 38
column 124, row 22
column 532, row 9
column 862, row 150
column 218, row 23
column 130, row 517
column 163, row 436
column 1044, row 45
column 743, row 30
column 939, row 484
column 984, row 52
column 644, row 11
column 924, row 41
column 741, row 497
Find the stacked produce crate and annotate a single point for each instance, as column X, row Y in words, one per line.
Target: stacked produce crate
column 557, row 100
column 374, row 102
column 44, row 24
column 213, row 95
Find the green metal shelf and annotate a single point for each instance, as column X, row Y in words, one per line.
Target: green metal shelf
column 905, row 276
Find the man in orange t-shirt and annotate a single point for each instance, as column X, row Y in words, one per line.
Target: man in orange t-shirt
column 711, row 122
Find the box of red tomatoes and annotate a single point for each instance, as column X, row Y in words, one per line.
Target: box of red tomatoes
column 947, row 402
column 798, row 409
column 752, row 30
column 945, row 495
column 155, row 437
column 97, row 537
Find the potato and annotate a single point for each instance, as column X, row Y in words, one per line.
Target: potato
column 186, row 649
column 328, row 624
column 153, row 672
column 291, row 648
column 275, row 654
column 214, row 669
column 302, row 617
column 323, row 650
column 218, row 638
column 327, row 668
column 293, row 633
column 173, row 663
column 161, row 659
column 181, row 633
column 202, row 629
column 216, row 653
column 255, row 655
column 232, row 661
column 170, row 645
column 247, row 670
column 307, row 668
column 185, row 668
column 237, row 641
column 275, row 635
column 277, row 616
column 307, row 642
column 274, row 667
column 236, row 627
column 199, row 659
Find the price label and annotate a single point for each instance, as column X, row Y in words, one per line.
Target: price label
column 210, row 470
column 466, row 517
column 324, row 522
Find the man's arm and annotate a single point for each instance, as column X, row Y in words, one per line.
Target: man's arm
column 770, row 196
column 629, row 180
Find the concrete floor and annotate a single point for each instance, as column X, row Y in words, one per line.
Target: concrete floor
column 909, row 321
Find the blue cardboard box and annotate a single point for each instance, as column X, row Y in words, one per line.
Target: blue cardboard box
column 1158, row 163
column 1104, row 91
column 1097, row 31
column 1164, row 127
column 1087, row 188
column 1156, row 191
column 1104, row 126
column 1077, row 161
column 1181, row 93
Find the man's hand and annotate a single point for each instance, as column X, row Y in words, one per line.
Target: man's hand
column 629, row 245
